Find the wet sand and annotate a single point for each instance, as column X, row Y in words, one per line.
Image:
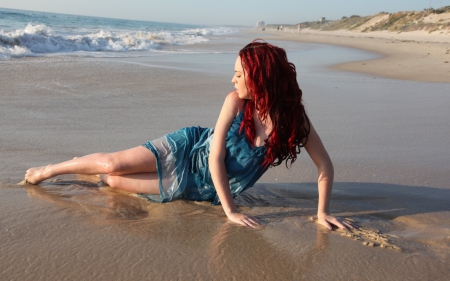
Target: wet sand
column 387, row 139
column 416, row 56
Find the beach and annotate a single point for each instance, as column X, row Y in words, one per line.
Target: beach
column 414, row 56
column 384, row 126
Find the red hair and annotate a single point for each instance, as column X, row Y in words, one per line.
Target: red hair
column 272, row 84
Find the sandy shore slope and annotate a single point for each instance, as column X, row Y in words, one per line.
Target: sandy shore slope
column 417, row 56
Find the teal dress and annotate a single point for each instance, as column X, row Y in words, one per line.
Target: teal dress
column 182, row 163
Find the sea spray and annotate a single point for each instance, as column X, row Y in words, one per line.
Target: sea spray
column 27, row 33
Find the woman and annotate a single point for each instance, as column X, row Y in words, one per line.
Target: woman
column 262, row 123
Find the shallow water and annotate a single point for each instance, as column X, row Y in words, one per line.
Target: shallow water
column 387, row 139
column 72, row 224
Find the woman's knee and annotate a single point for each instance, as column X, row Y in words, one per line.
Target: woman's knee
column 130, row 161
column 108, row 162
column 113, row 181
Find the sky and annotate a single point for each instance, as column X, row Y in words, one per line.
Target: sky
column 225, row 12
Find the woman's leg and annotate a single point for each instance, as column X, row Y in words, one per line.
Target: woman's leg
column 131, row 161
column 147, row 183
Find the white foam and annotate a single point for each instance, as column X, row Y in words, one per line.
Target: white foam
column 38, row 39
column 15, row 51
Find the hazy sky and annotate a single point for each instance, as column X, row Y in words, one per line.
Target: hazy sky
column 235, row 12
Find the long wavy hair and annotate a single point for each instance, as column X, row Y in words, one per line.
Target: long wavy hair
column 272, row 84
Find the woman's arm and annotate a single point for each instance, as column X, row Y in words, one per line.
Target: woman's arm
column 232, row 105
column 325, row 170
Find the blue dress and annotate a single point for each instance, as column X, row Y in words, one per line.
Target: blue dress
column 182, row 163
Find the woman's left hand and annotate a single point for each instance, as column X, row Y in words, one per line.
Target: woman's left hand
column 328, row 221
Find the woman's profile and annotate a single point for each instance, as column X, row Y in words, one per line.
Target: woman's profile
column 262, row 123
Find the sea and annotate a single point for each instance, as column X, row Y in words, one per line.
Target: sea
column 30, row 33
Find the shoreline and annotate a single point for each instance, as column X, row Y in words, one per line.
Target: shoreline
column 413, row 56
column 57, row 108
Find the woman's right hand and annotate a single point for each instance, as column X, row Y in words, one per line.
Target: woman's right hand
column 244, row 219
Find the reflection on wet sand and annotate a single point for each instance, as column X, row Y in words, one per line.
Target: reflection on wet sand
column 88, row 197
column 181, row 234
column 198, row 225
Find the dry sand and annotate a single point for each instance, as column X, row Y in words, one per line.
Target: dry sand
column 388, row 140
column 418, row 56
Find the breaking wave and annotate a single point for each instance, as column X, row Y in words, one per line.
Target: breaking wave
column 39, row 39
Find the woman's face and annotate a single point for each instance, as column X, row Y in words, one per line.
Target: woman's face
column 239, row 80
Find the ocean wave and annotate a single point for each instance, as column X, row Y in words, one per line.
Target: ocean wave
column 39, row 39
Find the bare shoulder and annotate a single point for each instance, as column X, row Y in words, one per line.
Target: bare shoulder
column 231, row 107
column 234, row 103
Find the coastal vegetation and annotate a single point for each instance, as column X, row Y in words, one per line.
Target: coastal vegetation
column 430, row 20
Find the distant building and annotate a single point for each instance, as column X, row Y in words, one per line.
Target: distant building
column 322, row 20
column 260, row 24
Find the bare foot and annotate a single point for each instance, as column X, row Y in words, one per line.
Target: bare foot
column 37, row 174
